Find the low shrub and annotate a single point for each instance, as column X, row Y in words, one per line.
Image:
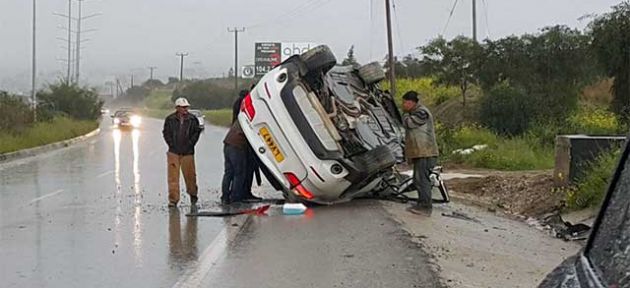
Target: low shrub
column 591, row 189
column 221, row 117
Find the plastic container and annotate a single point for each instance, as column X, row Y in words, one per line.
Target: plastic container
column 293, row 208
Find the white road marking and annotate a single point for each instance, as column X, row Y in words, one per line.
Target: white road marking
column 208, row 259
column 46, row 196
column 104, row 174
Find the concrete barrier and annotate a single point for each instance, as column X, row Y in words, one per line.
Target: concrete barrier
column 575, row 153
column 6, row 157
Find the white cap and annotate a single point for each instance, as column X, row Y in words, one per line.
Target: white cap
column 181, row 102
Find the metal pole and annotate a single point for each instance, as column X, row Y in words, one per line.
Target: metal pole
column 151, row 68
column 474, row 18
column 181, row 65
column 69, row 40
column 390, row 44
column 78, row 49
column 236, row 30
column 34, row 68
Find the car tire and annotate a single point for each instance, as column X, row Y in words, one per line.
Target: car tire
column 319, row 59
column 371, row 73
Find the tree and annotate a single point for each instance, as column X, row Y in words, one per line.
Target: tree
column 137, row 93
column 172, row 80
column 78, row 102
column 453, row 62
column 350, row 59
column 611, row 44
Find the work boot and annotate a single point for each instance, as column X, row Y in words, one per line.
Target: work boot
column 421, row 210
column 193, row 200
column 172, row 204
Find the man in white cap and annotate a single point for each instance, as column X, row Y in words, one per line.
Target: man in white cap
column 181, row 133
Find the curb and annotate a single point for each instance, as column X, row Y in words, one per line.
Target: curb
column 24, row 153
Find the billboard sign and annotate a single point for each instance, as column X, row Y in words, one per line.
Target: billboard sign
column 268, row 55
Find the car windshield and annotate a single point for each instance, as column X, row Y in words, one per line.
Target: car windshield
column 609, row 251
column 122, row 114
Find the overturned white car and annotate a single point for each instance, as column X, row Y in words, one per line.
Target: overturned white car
column 327, row 133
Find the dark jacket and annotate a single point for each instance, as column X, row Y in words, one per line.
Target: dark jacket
column 191, row 131
column 236, row 108
column 236, row 137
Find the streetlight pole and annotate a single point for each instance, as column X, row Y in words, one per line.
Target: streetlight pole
column 34, row 68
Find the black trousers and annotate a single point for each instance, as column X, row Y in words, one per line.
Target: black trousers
column 421, row 179
column 233, row 187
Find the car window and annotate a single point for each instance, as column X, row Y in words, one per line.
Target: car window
column 121, row 114
column 609, row 250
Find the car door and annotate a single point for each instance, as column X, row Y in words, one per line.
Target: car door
column 608, row 249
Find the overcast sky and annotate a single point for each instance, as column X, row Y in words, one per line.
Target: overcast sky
column 134, row 34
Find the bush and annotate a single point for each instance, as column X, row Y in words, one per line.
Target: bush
column 136, row 94
column 506, row 110
column 595, row 121
column 77, row 102
column 159, row 99
column 591, row 189
column 206, row 95
column 431, row 94
column 15, row 115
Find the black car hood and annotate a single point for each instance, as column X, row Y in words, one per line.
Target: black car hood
column 564, row 276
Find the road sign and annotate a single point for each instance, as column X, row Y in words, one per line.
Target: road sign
column 248, row 71
column 270, row 54
column 266, row 56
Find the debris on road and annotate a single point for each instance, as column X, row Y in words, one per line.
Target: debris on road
column 461, row 216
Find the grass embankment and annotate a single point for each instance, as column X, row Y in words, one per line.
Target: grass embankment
column 221, row 117
column 590, row 190
column 42, row 133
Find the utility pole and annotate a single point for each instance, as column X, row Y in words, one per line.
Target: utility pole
column 390, row 44
column 474, row 18
column 151, row 68
column 236, row 30
column 181, row 65
column 69, row 40
column 78, row 49
column 131, row 80
column 78, row 41
column 34, row 68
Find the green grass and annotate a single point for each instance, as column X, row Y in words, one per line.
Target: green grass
column 432, row 94
column 159, row 99
column 510, row 154
column 59, row 129
column 156, row 113
column 221, row 117
column 591, row 189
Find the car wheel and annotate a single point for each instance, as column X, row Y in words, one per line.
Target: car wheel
column 319, row 59
column 371, row 73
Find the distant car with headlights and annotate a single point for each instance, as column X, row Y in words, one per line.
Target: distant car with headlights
column 200, row 117
column 126, row 119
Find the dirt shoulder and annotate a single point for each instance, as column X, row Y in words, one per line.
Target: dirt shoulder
column 485, row 251
column 529, row 193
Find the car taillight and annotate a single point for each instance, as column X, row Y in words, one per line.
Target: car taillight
column 297, row 187
column 247, row 107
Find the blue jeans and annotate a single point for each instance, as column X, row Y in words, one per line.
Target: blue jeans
column 233, row 187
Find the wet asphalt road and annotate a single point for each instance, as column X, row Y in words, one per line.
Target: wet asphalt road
column 94, row 215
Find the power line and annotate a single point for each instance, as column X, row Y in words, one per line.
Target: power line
column 485, row 7
column 450, row 16
column 305, row 7
column 398, row 34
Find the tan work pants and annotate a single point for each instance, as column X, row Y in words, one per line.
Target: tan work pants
column 185, row 163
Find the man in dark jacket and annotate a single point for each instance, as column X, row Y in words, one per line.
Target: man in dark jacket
column 233, row 186
column 181, row 133
column 252, row 167
column 420, row 149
